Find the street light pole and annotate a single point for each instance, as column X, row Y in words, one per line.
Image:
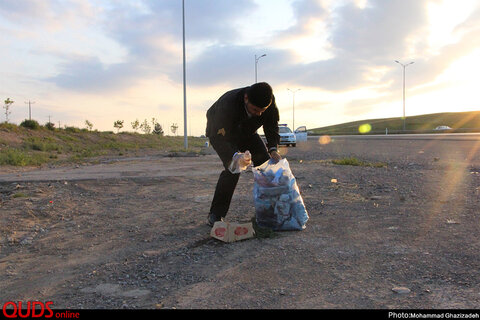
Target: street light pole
column 293, row 106
column 404, row 66
column 256, row 63
column 185, row 137
column 30, row 109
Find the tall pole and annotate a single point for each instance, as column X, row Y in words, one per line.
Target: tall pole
column 185, row 137
column 293, row 106
column 404, row 98
column 404, row 67
column 256, row 63
column 30, row 109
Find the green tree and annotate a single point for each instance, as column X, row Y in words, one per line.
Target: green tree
column 135, row 125
column 145, row 127
column 174, row 128
column 158, row 129
column 7, row 104
column 118, row 124
column 89, row 125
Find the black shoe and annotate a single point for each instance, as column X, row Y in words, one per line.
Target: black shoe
column 212, row 219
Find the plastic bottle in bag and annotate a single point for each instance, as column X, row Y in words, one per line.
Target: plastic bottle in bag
column 247, row 157
column 240, row 162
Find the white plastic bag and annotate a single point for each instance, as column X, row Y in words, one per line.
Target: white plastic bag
column 278, row 203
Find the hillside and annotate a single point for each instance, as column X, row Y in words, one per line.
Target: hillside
column 458, row 121
column 20, row 146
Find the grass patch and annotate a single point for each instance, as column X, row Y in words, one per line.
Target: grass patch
column 20, row 195
column 352, row 161
column 41, row 144
column 458, row 121
column 262, row 232
column 21, row 146
column 15, row 157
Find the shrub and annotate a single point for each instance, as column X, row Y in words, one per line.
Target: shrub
column 38, row 144
column 72, row 129
column 30, row 124
column 50, row 126
column 5, row 126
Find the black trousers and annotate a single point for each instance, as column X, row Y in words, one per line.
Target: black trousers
column 227, row 181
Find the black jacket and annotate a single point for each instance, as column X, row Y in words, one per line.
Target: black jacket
column 228, row 122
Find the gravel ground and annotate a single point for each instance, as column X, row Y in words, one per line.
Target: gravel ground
column 131, row 233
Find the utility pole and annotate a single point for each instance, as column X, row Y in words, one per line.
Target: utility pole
column 185, row 136
column 293, row 106
column 30, row 109
column 404, row 66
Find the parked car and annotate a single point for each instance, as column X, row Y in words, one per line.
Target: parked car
column 442, row 128
column 287, row 137
column 301, row 134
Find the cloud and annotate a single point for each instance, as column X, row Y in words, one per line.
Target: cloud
column 25, row 10
column 235, row 65
column 306, row 12
column 222, row 63
column 149, row 34
column 365, row 41
column 215, row 20
column 141, row 30
column 379, row 31
column 51, row 14
column 90, row 75
column 361, row 39
column 141, row 38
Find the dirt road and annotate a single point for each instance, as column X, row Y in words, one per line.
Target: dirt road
column 131, row 233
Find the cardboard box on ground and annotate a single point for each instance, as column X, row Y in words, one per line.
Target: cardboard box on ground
column 232, row 231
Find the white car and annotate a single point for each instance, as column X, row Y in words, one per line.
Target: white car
column 287, row 137
column 439, row 128
column 301, row 134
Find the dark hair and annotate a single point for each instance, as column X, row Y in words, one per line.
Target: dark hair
column 260, row 94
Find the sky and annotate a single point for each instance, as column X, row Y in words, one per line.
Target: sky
column 328, row 61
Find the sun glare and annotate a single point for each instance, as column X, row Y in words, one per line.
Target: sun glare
column 454, row 90
column 444, row 17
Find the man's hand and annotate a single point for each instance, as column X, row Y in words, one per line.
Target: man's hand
column 275, row 156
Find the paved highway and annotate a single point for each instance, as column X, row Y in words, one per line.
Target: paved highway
column 393, row 149
column 430, row 136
